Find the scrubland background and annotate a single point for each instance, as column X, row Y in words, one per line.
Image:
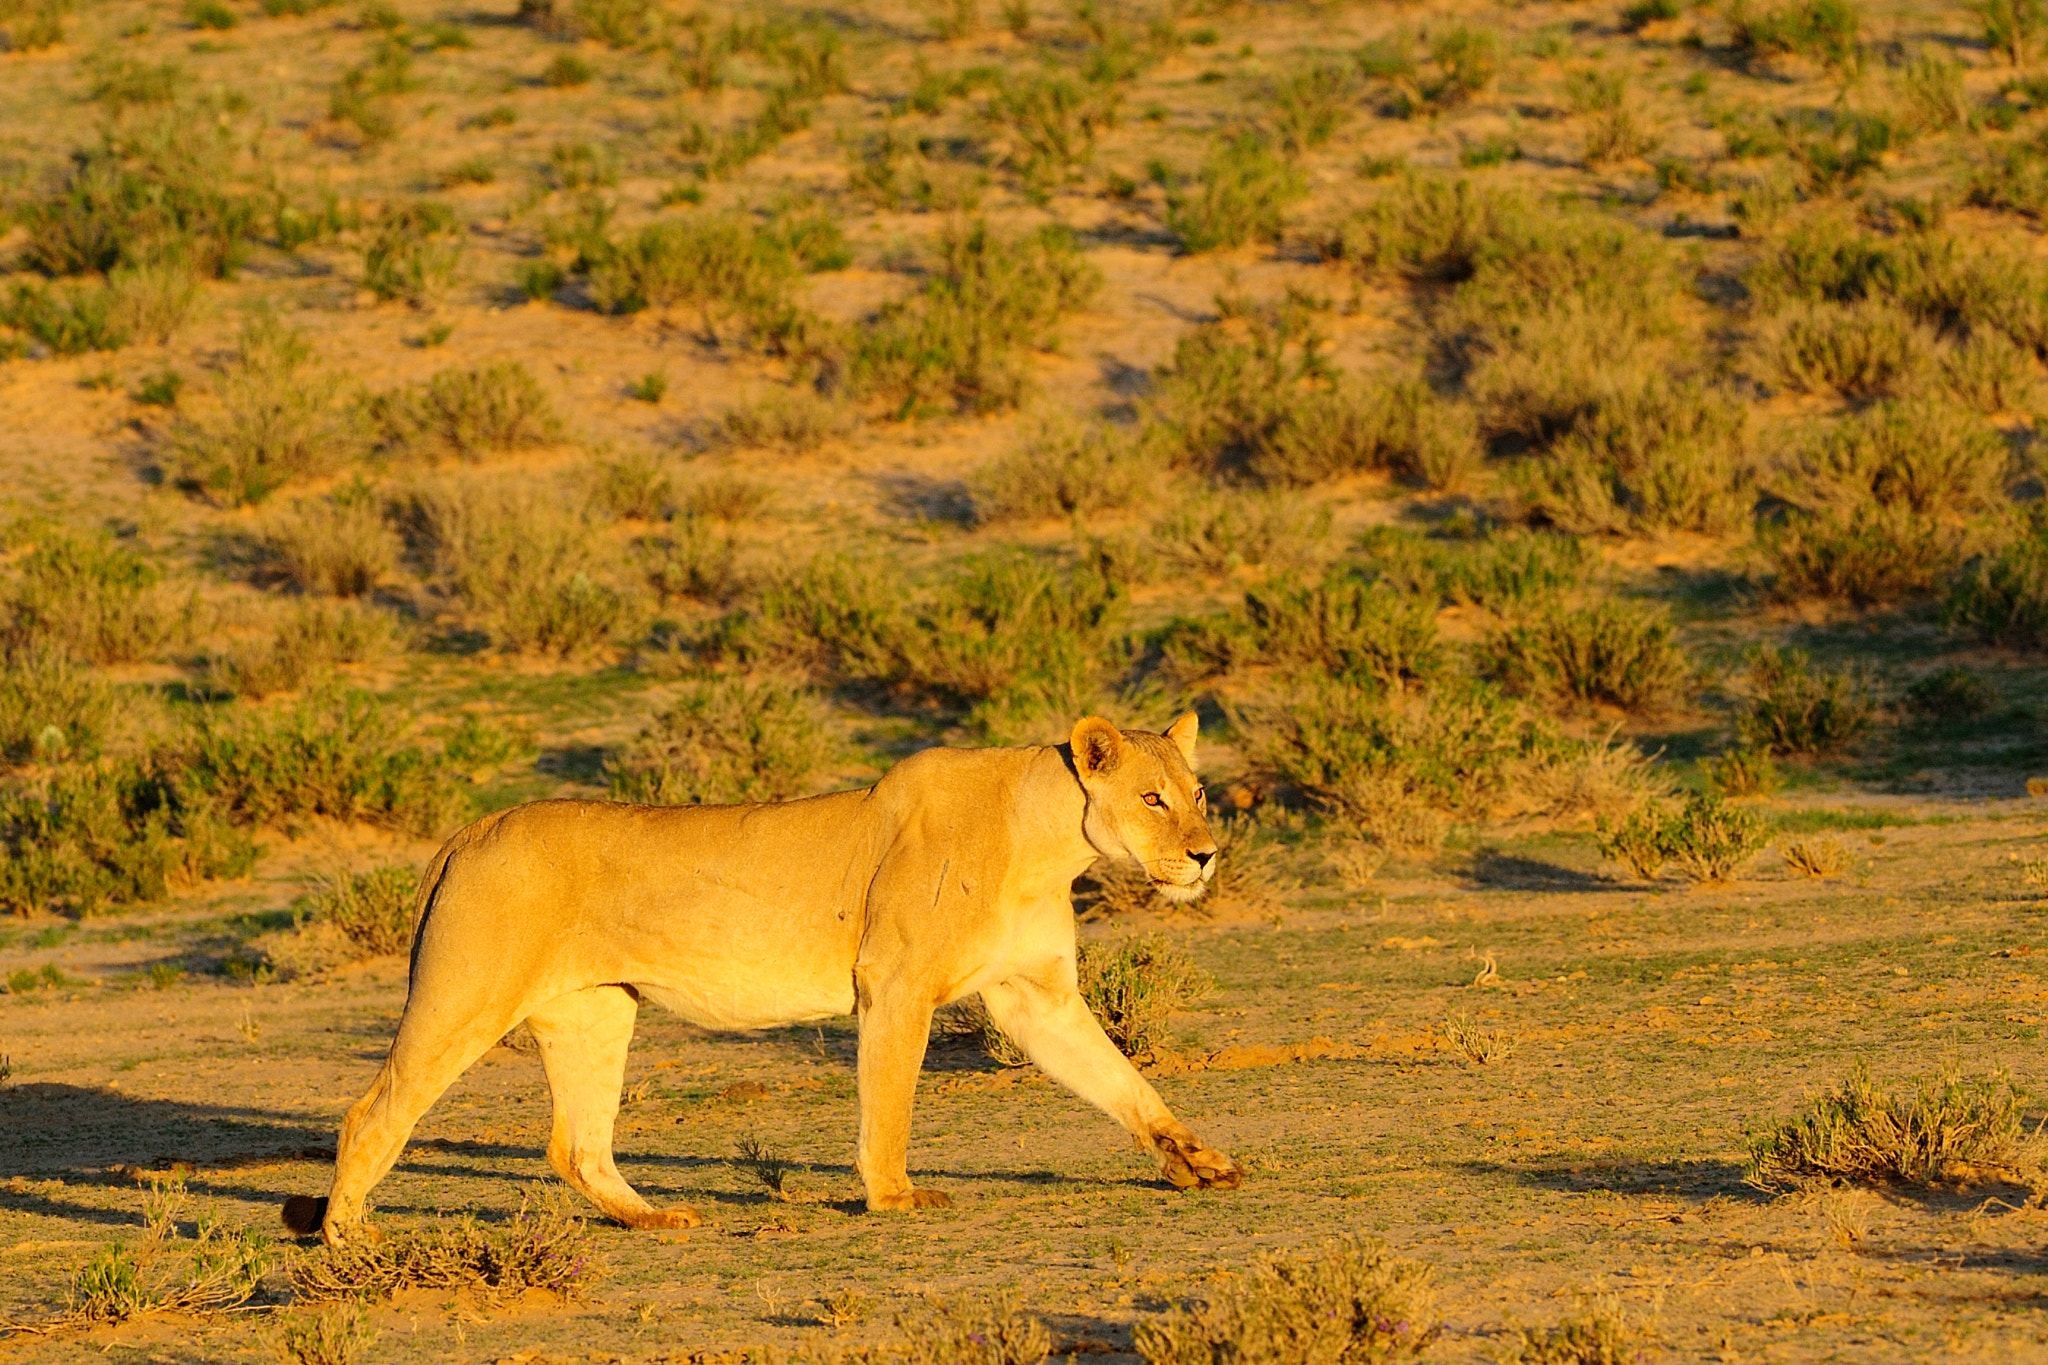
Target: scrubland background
column 1580, row 461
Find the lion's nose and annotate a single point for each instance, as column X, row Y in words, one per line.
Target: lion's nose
column 1201, row 857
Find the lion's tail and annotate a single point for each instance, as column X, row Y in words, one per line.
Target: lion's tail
column 303, row 1214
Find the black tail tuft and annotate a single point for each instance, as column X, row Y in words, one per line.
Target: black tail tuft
column 303, row 1214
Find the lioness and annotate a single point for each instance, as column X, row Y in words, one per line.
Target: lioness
column 951, row 875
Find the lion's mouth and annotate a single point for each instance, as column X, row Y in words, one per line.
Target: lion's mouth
column 1183, row 891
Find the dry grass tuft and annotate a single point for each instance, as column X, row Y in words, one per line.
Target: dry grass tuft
column 540, row 1248
column 1599, row 1333
column 766, row 1165
column 335, row 1335
column 1477, row 1045
column 1819, row 856
column 1350, row 1299
column 1956, row 1130
column 339, row 545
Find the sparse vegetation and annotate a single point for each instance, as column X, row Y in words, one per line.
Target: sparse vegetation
column 723, row 741
column 540, row 1248
column 1955, row 1129
column 1705, row 838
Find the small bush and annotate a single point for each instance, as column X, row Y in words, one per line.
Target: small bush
column 51, row 710
column 1134, row 987
column 635, row 487
column 1932, row 84
column 467, row 414
column 33, row 27
column 724, row 742
column 413, row 254
column 1239, row 195
column 1309, row 105
column 1955, row 1130
column 1612, row 653
column 337, row 546
column 1427, row 228
column 1820, row 856
column 89, row 598
column 1990, row 373
column 953, row 344
column 372, row 911
column 1064, row 467
column 1929, row 457
column 1826, row 31
column 332, row 1336
column 1398, row 769
column 968, row 1331
column 1477, row 1045
column 1220, row 533
column 538, row 1249
column 734, row 274
column 1952, row 693
column 691, row 561
column 1741, row 772
column 1864, row 350
column 1658, row 457
column 70, row 320
column 1598, row 1334
column 566, row 72
column 1347, row 626
column 1794, row 708
column 1051, row 121
column 1707, row 839
column 335, row 753
column 313, row 639
column 1350, row 1299
column 798, row 420
column 1868, row 556
column 278, row 419
column 218, row 1269
column 2012, row 28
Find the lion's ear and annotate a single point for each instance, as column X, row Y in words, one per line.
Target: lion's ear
column 1098, row 746
column 1182, row 733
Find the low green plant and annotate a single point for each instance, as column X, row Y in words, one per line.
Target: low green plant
column 1052, row 121
column 90, row 598
column 466, row 414
column 1919, row 454
column 649, row 387
column 211, row 14
column 1954, row 1130
column 1240, row 194
column 725, row 741
column 1654, row 457
column 567, row 71
column 1741, row 772
column 2012, row 28
column 51, row 710
column 372, row 911
column 1818, row 856
column 334, row 1335
column 1310, row 104
column 1067, row 468
column 1220, row 533
column 769, row 1167
column 1705, row 838
column 1952, row 693
column 160, row 390
column 217, row 1269
column 413, row 254
column 1826, row 31
column 1349, row 1299
column 1864, row 350
column 636, row 486
column 736, row 276
column 1614, row 653
column 798, row 420
column 1866, row 556
column 1795, row 708
column 309, row 642
column 970, row 1330
column 691, row 561
column 340, row 545
column 2002, row 597
column 278, row 418
column 1477, row 1044
column 953, row 344
column 1134, row 986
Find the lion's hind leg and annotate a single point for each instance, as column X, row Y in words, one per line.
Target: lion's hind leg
column 583, row 1039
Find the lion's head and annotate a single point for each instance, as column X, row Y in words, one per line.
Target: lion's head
column 1145, row 803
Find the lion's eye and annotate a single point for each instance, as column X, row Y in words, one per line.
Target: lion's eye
column 1152, row 799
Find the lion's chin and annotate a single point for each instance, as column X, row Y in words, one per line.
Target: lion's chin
column 1174, row 891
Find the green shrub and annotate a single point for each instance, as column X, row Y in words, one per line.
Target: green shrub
column 1794, row 708
column 2002, row 598
column 50, row 709
column 1741, row 772
column 2012, row 27
column 724, row 266
column 1219, row 533
column 372, row 910
column 1866, row 556
column 1598, row 1334
column 1834, row 149
column 339, row 546
column 33, row 27
column 1932, row 84
column 161, row 185
column 1707, row 839
column 1134, row 986
column 1398, row 768
column 210, row 14
column 1614, row 653
column 517, row 562
column 1990, row 373
column 1346, row 626
column 1869, row 349
column 70, row 320
column 413, row 254
column 467, row 414
column 312, row 640
column 336, row 753
column 1826, row 31
column 566, row 71
column 1958, row 1129
column 1239, row 195
column 1349, row 1299
column 1918, row 455
column 1952, row 693
column 798, row 419
column 691, row 561
column 722, row 742
column 953, row 344
column 1052, row 121
column 1065, row 467
column 90, row 598
column 278, row 419
column 1425, row 227
column 88, row 838
column 1502, row 571
column 1309, row 105
column 1659, row 457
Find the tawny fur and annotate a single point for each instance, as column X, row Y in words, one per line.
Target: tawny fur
column 950, row 876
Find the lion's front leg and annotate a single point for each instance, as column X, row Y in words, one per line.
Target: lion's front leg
column 895, row 1025
column 1049, row 1020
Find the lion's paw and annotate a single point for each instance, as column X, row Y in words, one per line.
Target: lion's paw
column 655, row 1220
column 1191, row 1166
column 911, row 1199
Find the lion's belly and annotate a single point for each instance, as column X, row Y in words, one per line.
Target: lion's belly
column 741, row 1004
